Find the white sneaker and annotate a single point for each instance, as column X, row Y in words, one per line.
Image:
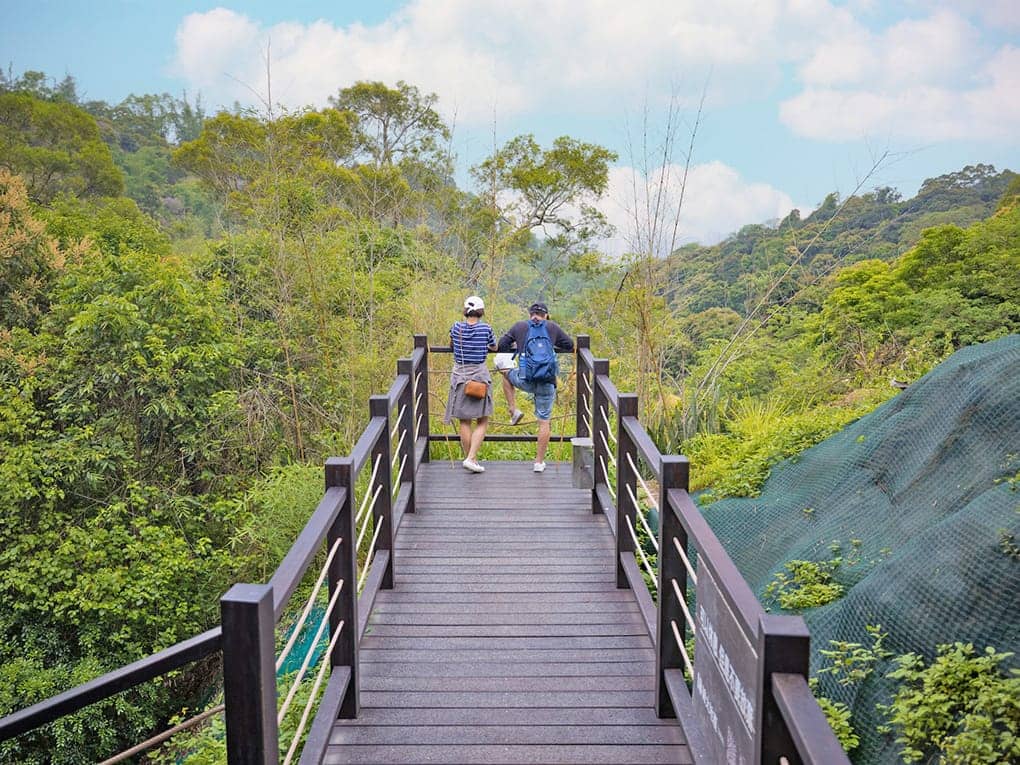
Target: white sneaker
column 539, row 467
column 516, row 417
column 473, row 466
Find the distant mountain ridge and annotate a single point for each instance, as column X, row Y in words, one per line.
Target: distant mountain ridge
column 878, row 224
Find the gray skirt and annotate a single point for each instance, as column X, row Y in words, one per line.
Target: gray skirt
column 462, row 407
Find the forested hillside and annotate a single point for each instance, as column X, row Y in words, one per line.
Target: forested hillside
column 194, row 308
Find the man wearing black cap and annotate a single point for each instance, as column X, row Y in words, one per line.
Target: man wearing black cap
column 516, row 339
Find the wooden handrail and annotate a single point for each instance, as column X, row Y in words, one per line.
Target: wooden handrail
column 449, row 349
column 812, row 736
column 362, row 451
column 397, row 389
column 104, row 686
column 609, row 389
column 646, row 447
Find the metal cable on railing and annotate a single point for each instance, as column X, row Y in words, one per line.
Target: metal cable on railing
column 368, row 491
column 368, row 515
column 368, row 555
column 683, row 607
column 400, row 417
column 644, row 558
column 641, row 517
column 682, row 647
column 396, row 452
column 609, row 427
column 609, row 452
column 310, row 653
column 637, row 474
column 605, row 474
column 311, row 697
column 686, row 560
column 400, row 477
column 308, row 605
column 417, row 425
column 191, row 722
column 587, row 384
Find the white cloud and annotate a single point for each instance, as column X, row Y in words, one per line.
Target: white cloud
column 716, row 202
column 996, row 14
column 516, row 56
column 934, row 76
column 927, row 79
column 989, row 110
column 210, row 44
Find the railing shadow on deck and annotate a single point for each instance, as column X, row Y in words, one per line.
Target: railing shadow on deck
column 748, row 702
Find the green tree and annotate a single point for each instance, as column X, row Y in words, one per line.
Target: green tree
column 55, row 147
column 29, row 259
column 395, row 126
column 524, row 189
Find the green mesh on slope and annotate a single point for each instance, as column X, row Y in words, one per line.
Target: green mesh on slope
column 923, row 483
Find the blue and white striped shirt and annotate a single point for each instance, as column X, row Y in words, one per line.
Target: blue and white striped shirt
column 471, row 342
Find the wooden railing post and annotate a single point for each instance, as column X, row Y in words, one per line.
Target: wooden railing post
column 382, row 509
column 343, row 573
column 249, row 675
column 783, row 646
column 675, row 472
column 599, row 435
column 625, row 476
column 422, row 431
column 584, row 375
column 406, row 452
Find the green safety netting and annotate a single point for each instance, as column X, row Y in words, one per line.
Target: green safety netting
column 919, row 499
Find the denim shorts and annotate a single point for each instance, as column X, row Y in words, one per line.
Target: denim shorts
column 544, row 393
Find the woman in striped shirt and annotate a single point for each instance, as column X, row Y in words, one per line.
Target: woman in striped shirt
column 471, row 340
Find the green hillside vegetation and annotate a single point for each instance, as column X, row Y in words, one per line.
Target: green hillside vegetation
column 195, row 307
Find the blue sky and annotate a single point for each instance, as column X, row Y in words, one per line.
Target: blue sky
column 801, row 95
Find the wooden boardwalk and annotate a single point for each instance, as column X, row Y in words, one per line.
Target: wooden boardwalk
column 505, row 638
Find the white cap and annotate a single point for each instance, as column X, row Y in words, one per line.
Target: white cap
column 474, row 303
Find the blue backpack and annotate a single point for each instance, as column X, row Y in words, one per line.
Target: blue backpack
column 539, row 359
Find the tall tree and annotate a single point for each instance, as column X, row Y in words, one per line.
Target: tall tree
column 55, row 147
column 395, row 125
column 552, row 192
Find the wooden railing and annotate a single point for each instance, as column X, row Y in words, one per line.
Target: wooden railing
column 743, row 686
column 743, row 690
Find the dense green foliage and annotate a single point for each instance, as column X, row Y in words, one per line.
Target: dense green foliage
column 962, row 707
column 194, row 309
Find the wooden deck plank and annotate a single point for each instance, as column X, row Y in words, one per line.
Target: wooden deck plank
column 493, row 684
column 523, row 599
column 513, row 577
column 505, row 638
column 499, row 631
column 496, row 643
column 508, row 754
column 494, row 669
column 510, row 734
column 497, row 619
column 548, row 607
column 622, row 716
column 577, row 655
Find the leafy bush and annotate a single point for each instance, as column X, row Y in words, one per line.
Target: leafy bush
column 838, row 715
column 962, row 707
column 737, row 463
column 808, row 584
